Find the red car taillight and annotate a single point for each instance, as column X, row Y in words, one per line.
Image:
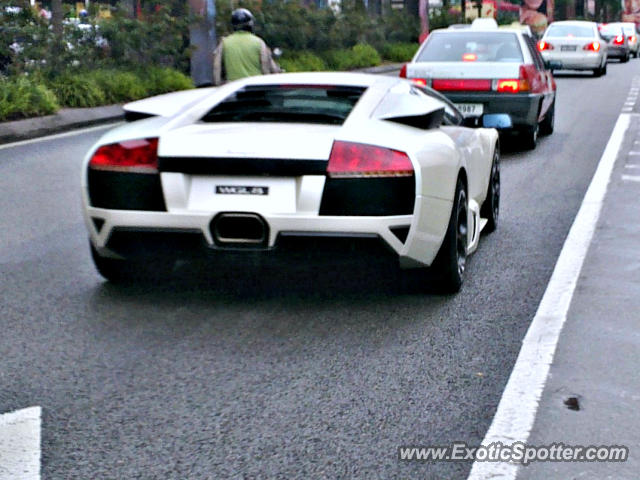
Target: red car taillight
column 356, row 160
column 454, row 84
column 632, row 39
column 516, row 85
column 619, row 40
column 403, row 71
column 136, row 156
column 593, row 46
column 542, row 45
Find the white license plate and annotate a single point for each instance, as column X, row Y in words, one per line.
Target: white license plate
column 470, row 109
column 243, row 194
column 568, row 48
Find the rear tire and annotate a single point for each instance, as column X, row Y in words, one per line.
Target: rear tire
column 529, row 136
column 491, row 206
column 118, row 270
column 547, row 124
column 452, row 257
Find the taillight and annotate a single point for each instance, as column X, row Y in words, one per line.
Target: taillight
column 423, row 82
column 454, row 84
column 357, row 160
column 137, row 156
column 516, row 85
column 469, row 57
column 542, row 45
column 403, row 71
column 632, row 39
column 593, row 46
column 619, row 40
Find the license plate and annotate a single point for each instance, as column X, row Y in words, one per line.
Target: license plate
column 263, row 195
column 568, row 48
column 470, row 109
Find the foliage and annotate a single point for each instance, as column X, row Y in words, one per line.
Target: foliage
column 358, row 56
column 302, row 62
column 399, row 52
column 20, row 97
column 158, row 80
column 77, row 91
column 118, row 86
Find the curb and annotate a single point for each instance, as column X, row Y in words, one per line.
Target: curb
column 71, row 118
column 65, row 119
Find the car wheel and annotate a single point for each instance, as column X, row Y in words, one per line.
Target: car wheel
column 529, row 136
column 452, row 257
column 547, row 124
column 123, row 271
column 625, row 59
column 491, row 206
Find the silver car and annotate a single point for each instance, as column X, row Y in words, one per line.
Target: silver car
column 631, row 35
column 617, row 41
column 575, row 45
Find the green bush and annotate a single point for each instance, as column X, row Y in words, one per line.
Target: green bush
column 358, row 56
column 77, row 90
column 118, row 86
column 302, row 62
column 399, row 52
column 158, row 80
column 20, row 97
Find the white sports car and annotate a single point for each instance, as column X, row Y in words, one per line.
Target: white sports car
column 299, row 163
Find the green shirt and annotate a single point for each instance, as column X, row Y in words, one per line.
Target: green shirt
column 241, row 55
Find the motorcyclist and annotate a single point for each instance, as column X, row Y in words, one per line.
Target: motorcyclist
column 242, row 54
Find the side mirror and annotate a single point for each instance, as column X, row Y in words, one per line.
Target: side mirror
column 496, row 120
column 277, row 53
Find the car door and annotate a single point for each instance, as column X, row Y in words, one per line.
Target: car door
column 547, row 84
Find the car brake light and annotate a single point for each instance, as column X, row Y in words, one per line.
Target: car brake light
column 136, row 156
column 403, row 71
column 453, row 84
column 469, row 57
column 515, row 85
column 542, row 46
column 632, row 39
column 593, row 46
column 420, row 81
column 619, row 40
column 357, row 160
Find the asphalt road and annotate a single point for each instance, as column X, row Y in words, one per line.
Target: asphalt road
column 292, row 373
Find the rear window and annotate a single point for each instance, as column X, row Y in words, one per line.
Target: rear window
column 324, row 104
column 629, row 29
column 472, row 47
column 570, row 31
column 610, row 29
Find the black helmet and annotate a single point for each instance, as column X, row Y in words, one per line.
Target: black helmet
column 242, row 19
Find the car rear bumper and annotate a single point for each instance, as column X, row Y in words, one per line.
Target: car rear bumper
column 575, row 61
column 413, row 239
column 618, row 51
column 523, row 109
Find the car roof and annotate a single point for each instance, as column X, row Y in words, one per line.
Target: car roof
column 572, row 22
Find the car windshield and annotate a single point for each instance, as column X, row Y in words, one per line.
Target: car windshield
column 324, row 104
column 629, row 30
column 569, row 31
column 468, row 46
column 611, row 30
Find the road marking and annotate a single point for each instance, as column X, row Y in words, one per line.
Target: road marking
column 518, row 406
column 20, row 444
column 632, row 166
column 631, row 178
column 58, row 135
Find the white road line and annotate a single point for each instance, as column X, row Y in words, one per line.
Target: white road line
column 519, row 404
column 20, row 444
column 633, row 153
column 632, row 166
column 58, row 135
column 631, row 178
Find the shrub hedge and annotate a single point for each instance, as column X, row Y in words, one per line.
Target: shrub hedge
column 20, row 98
